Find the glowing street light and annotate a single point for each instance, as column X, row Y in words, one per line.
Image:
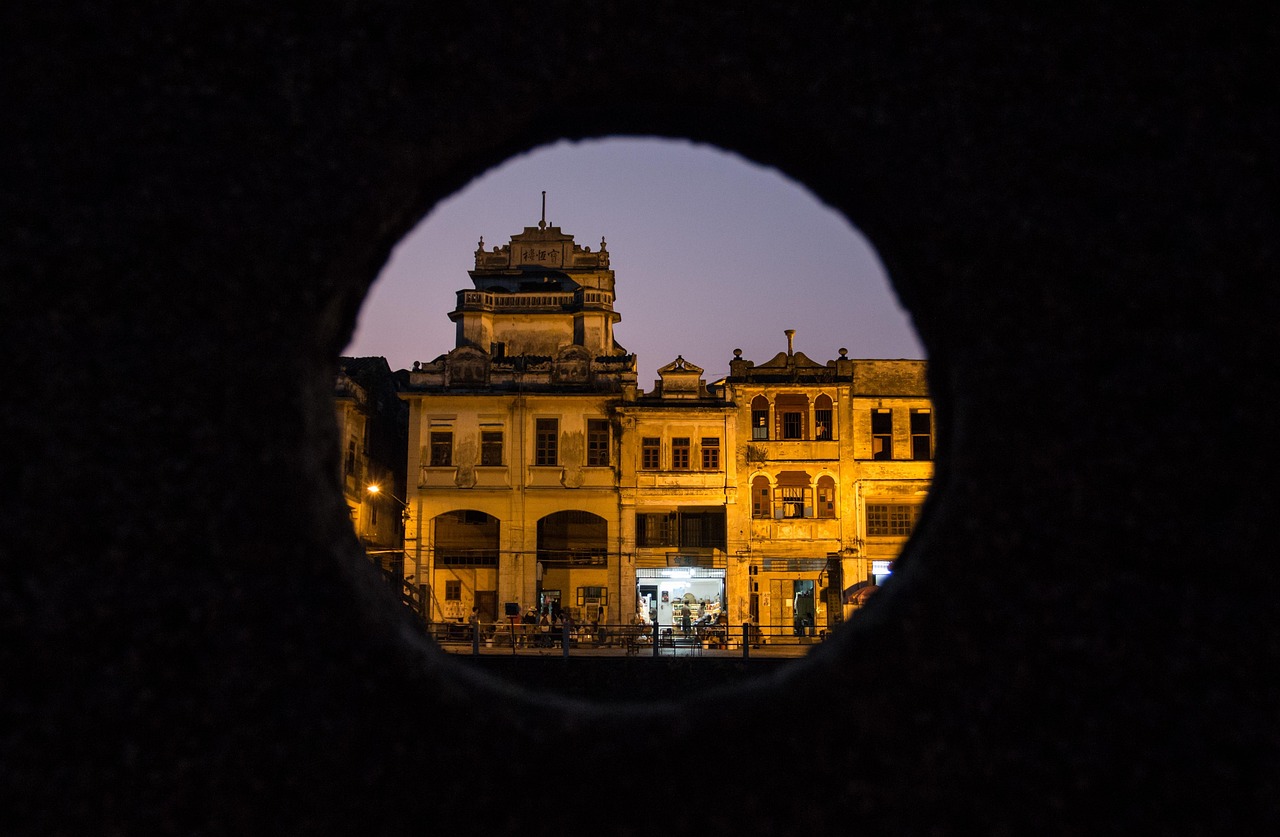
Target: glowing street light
column 375, row 490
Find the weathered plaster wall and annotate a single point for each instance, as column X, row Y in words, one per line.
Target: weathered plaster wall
column 1076, row 206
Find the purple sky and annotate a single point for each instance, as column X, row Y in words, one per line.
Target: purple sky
column 711, row 253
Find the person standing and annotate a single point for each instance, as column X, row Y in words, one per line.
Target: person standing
column 685, row 618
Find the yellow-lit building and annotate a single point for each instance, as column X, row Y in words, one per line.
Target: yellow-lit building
column 539, row 473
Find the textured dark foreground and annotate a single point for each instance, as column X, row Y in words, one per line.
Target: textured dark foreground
column 626, row 679
column 1076, row 205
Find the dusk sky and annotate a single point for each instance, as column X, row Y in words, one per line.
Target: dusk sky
column 710, row 253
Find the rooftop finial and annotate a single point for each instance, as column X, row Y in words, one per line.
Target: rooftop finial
column 791, row 333
column 542, row 225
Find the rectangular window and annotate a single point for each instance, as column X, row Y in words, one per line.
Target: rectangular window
column 759, row 424
column 650, row 453
column 710, row 454
column 441, row 448
column 453, row 591
column 881, row 434
column 597, row 443
column 680, row 453
column 792, row 425
column 891, row 519
column 792, row 499
column 702, row 529
column 921, row 434
column 546, row 441
column 823, row 432
column 655, row 529
column 350, row 467
column 491, row 447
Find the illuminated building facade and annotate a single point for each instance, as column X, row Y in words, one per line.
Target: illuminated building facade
column 539, row 473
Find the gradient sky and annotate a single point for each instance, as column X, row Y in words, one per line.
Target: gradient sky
column 711, row 253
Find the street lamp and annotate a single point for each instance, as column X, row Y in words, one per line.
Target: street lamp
column 375, row 489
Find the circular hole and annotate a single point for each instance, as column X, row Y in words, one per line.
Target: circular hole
column 783, row 520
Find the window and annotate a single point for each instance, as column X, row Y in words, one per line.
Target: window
column 823, row 430
column 891, row 519
column 491, row 447
column 600, row 594
column 791, row 426
column 702, row 529
column 680, row 453
column 792, row 499
column 760, row 497
column 650, row 453
column 466, row 538
column 597, row 443
column 655, row 529
column 792, row 416
column 881, row 434
column 921, row 434
column 685, row 529
column 826, row 497
column 350, row 467
column 759, row 417
column 710, row 454
column 453, row 591
column 546, row 441
column 441, row 448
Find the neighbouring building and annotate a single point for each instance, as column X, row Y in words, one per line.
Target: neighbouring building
column 539, row 473
column 373, row 433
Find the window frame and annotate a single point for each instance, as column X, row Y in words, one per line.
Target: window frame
column 881, row 441
column 546, row 446
column 710, row 453
column 918, row 439
column 440, row 448
column 651, row 453
column 681, row 453
column 598, row 438
column 488, row 445
column 892, row 520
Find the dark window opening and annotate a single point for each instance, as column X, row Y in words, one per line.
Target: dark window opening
column 597, row 443
column 824, row 430
column 881, row 434
column 491, row 447
column 466, row 538
column 572, row 539
column 441, row 448
column 546, row 441
column 921, row 434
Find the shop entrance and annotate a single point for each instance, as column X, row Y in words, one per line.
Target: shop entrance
column 684, row 603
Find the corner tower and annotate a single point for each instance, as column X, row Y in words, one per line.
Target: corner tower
column 538, row 294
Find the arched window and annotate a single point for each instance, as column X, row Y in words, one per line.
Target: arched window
column 826, row 497
column 760, row 505
column 823, row 429
column 466, row 538
column 760, row 417
column 573, row 538
column 793, row 495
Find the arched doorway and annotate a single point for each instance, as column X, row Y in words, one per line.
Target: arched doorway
column 573, row 562
column 465, row 565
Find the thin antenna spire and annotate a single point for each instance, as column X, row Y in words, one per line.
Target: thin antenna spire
column 543, row 223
